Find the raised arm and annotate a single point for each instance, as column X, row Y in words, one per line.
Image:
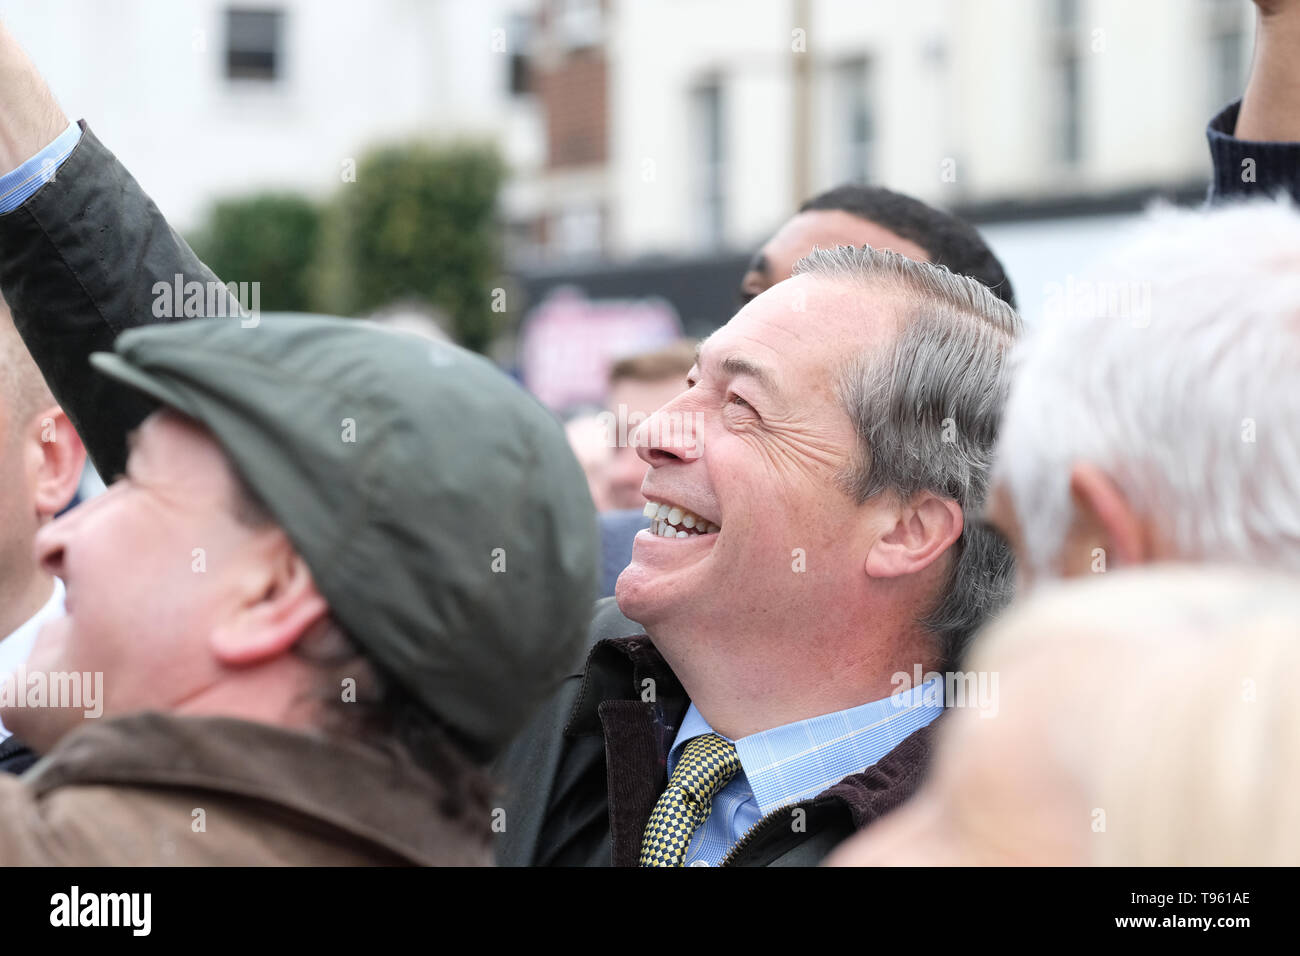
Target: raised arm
column 1256, row 144
column 80, row 257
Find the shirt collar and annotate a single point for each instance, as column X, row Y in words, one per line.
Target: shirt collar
column 799, row 760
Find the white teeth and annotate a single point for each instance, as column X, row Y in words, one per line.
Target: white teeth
column 665, row 519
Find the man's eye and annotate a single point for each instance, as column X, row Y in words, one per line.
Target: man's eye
column 737, row 400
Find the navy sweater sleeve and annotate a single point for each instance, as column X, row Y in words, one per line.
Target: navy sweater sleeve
column 1243, row 168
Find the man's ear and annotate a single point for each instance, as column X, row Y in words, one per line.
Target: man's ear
column 1104, row 519
column 280, row 607
column 925, row 528
column 57, row 459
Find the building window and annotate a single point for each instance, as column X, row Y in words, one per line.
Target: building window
column 579, row 232
column 709, row 138
column 254, row 44
column 853, row 127
column 519, row 31
column 578, row 23
column 1066, row 101
column 1227, row 60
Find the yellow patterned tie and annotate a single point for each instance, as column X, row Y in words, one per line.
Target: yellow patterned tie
column 706, row 764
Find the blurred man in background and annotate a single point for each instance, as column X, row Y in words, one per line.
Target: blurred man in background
column 853, row 215
column 639, row 385
column 41, row 459
column 1173, row 742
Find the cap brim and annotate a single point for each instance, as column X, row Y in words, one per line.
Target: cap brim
column 116, row 367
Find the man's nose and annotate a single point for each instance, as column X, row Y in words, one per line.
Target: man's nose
column 671, row 434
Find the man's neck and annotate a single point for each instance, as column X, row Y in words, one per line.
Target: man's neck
column 745, row 685
column 21, row 599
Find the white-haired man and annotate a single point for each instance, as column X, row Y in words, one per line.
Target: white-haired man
column 1154, row 415
column 1158, row 417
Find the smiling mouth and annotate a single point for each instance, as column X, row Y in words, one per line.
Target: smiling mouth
column 674, row 521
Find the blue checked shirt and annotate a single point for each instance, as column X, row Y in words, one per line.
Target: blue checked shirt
column 18, row 185
column 797, row 761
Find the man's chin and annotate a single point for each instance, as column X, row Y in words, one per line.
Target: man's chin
column 640, row 594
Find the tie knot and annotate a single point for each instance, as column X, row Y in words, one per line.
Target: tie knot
column 706, row 764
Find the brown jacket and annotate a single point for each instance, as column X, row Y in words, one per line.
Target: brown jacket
column 158, row 789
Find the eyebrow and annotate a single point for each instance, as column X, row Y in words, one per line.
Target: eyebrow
column 736, row 365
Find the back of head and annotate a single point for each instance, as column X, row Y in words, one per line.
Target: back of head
column 950, row 241
column 1173, row 741
column 23, row 391
column 1172, row 369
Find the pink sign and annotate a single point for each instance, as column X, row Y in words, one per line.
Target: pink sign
column 569, row 342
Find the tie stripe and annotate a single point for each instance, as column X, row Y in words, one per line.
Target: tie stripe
column 706, row 764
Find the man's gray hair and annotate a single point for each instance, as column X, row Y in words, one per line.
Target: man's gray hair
column 926, row 411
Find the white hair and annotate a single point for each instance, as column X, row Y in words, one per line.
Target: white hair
column 1176, row 370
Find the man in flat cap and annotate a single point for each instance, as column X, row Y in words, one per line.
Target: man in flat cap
column 809, row 540
column 339, row 570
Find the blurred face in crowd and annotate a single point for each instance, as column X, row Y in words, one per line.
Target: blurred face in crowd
column 640, row 399
column 751, row 452
column 41, row 459
column 180, row 605
column 819, row 228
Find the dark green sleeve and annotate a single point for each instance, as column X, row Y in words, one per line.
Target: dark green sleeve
column 78, row 264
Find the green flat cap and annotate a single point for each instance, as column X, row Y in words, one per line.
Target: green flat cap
column 438, row 505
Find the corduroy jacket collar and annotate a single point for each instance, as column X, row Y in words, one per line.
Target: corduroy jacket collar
column 631, row 697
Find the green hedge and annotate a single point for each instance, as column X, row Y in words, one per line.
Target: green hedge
column 271, row 238
column 417, row 222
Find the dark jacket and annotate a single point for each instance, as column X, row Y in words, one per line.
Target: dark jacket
column 15, row 756
column 584, row 776
column 1243, row 169
column 78, row 264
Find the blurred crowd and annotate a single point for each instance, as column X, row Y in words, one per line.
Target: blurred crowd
column 880, row 577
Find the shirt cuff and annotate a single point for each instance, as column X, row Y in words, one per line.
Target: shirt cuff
column 17, row 186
